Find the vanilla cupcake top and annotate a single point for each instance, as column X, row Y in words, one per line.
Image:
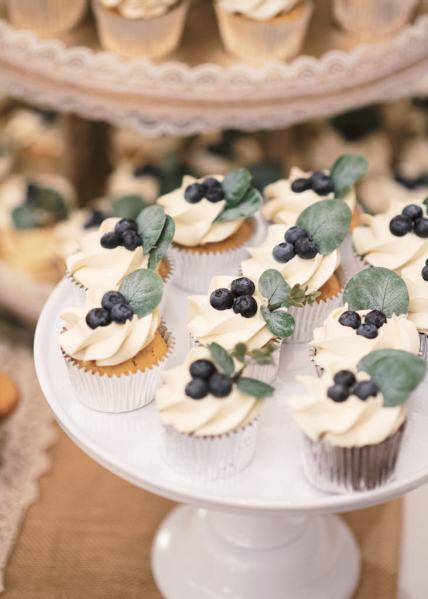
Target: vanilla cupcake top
column 359, row 406
column 416, row 278
column 34, row 130
column 212, row 209
column 139, row 9
column 374, row 317
column 259, row 10
column 130, row 180
column 69, row 232
column 377, row 190
column 208, row 396
column 394, row 238
column 114, row 326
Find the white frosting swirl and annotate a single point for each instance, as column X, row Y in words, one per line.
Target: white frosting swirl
column 28, row 130
column 209, row 416
column 259, row 10
column 376, row 192
column 98, row 268
column 284, row 206
column 194, row 223
column 139, row 9
column 340, row 346
column 418, row 293
column 374, row 241
column 208, row 325
column 351, row 423
column 312, row 274
column 123, row 182
column 106, row 346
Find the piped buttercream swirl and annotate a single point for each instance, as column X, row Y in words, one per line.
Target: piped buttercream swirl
column 259, row 10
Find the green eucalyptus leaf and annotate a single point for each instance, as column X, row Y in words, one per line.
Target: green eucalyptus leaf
column 239, row 352
column 151, row 222
column 274, row 288
column 377, row 288
column 128, row 206
column 163, row 243
column 23, row 217
column 249, row 205
column 49, row 205
column 222, row 359
column 264, row 173
column 235, row 185
column 425, row 202
column 346, row 171
column 254, row 387
column 142, row 290
column 327, row 222
column 397, row 373
column 280, row 323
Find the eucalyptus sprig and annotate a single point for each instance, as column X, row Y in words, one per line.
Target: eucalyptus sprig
column 346, row 171
column 128, row 206
column 156, row 230
column 377, row 288
column 299, row 296
column 242, row 198
column 42, row 207
column 142, row 289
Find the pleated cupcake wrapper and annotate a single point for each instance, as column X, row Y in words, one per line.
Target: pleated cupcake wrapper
column 279, row 38
column 346, row 469
column 151, row 38
column 118, row 393
column 354, row 263
column 368, row 18
column 46, row 17
column 424, row 345
column 204, row 459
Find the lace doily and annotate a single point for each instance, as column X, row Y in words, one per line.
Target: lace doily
column 23, row 457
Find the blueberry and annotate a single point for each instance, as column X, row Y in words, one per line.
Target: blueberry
column 425, row 273
column 365, row 389
column 421, row 227
column 400, row 225
column 211, row 182
column 412, row 211
column 295, row 233
column 283, row 252
column 219, row 385
column 131, row 240
column 98, row 317
column 111, row 298
column 346, row 378
column 125, row 224
column 300, row 185
column 322, row 183
column 94, row 220
column 369, row 331
column 375, row 317
column 202, row 369
column 350, row 319
column 306, row 248
column 120, row 313
column 242, row 286
column 147, row 170
column 194, row 193
column 245, row 305
column 221, row 299
column 214, row 193
column 338, row 393
column 31, row 192
column 196, row 389
column 109, row 241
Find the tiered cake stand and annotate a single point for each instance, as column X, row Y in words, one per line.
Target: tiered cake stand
column 263, row 533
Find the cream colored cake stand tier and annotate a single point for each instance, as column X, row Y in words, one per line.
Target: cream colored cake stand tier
column 263, row 533
column 201, row 88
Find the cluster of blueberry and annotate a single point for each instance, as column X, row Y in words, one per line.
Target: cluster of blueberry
column 425, row 271
column 210, row 189
column 373, row 321
column 125, row 233
column 345, row 384
column 297, row 243
column 114, row 308
column 319, row 182
column 410, row 219
column 239, row 297
column 206, row 379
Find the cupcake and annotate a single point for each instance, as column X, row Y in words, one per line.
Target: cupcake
column 368, row 19
column 263, row 30
column 376, row 191
column 352, row 420
column 115, row 346
column 374, row 317
column 47, row 18
column 69, row 232
column 128, row 145
column 142, row 27
column 308, row 258
column 213, row 223
column 210, row 411
column 415, row 275
column 143, row 180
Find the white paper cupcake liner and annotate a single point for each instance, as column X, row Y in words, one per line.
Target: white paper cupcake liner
column 343, row 470
column 204, row 459
column 424, row 345
column 46, row 17
column 122, row 393
column 370, row 18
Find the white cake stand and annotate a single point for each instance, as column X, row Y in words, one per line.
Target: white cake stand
column 264, row 533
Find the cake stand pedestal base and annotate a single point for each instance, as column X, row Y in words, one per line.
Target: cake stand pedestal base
column 202, row 554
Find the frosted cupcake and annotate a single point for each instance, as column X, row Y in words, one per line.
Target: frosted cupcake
column 416, row 278
column 115, row 346
column 261, row 30
column 375, row 192
column 353, row 420
column 213, row 223
column 142, row 27
column 374, row 317
column 210, row 411
column 47, row 18
column 128, row 180
column 373, row 19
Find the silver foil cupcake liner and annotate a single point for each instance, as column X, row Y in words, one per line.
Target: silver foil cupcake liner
column 122, row 393
column 424, row 345
column 204, row 459
column 346, row 469
column 373, row 18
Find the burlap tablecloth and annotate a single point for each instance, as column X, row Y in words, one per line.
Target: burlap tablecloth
column 89, row 537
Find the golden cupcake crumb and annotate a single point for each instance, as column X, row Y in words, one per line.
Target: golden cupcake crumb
column 356, row 219
column 238, row 238
column 329, row 289
column 9, row 395
column 163, row 268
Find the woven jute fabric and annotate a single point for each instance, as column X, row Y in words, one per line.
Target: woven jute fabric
column 89, row 536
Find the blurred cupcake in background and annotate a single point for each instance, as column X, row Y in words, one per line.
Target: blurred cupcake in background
column 131, row 146
column 144, row 180
column 47, row 18
column 368, row 18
